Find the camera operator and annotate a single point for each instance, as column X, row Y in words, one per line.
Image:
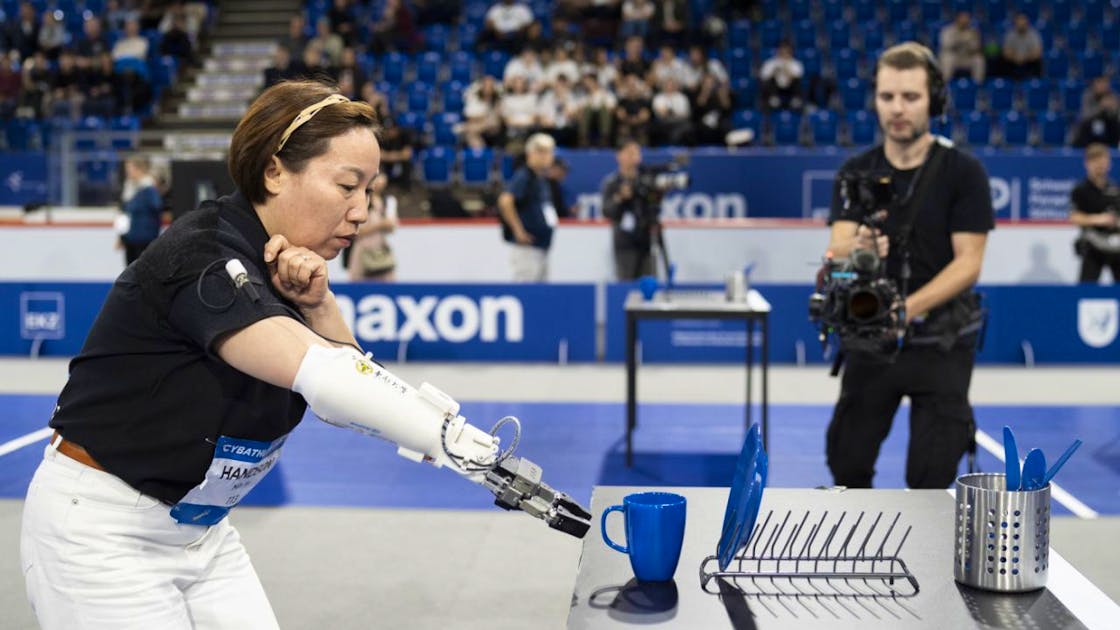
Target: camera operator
column 1096, row 209
column 934, row 236
column 627, row 204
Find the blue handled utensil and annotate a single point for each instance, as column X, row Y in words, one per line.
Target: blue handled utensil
column 1011, row 459
column 1061, row 462
column 1034, row 470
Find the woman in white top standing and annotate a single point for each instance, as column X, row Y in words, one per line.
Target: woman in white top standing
column 372, row 258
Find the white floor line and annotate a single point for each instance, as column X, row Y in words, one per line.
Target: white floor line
column 1060, row 495
column 20, row 442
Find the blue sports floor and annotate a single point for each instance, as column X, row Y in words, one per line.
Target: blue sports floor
column 580, row 445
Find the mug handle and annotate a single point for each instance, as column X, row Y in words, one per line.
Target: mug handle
column 603, row 523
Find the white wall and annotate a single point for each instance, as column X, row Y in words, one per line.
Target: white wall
column 784, row 251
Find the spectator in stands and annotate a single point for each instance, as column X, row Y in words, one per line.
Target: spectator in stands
column 347, row 83
column 397, row 148
column 312, row 65
column 23, row 32
column 962, row 48
column 52, row 34
column 519, row 113
column 37, row 80
column 558, row 110
column 632, row 115
column 482, row 121
column 603, row 68
column 378, row 101
column 117, row 16
column 141, row 206
column 699, row 64
column 188, row 20
column 597, row 118
column 328, row 42
column 634, row 221
column 1094, row 94
column 176, row 41
column 506, row 25
column 395, row 29
column 295, row 39
column 67, row 85
column 633, row 58
column 131, row 45
column 101, row 95
column 1095, row 208
column 670, row 22
column 561, row 65
column 527, row 212
column 668, row 66
column 342, row 21
column 93, row 41
column 781, row 79
column 672, row 115
column 1022, row 49
column 372, row 258
column 1102, row 127
column 280, row 68
column 437, row 11
column 711, row 113
column 526, row 65
column 11, row 87
column 636, row 16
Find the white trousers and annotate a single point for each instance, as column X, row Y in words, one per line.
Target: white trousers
column 97, row 554
column 530, row 264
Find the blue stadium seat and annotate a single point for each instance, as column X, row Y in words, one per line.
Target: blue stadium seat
column 1015, row 128
column 452, row 93
column 845, row 64
column 467, row 35
column 942, row 126
column 811, row 61
column 23, row 134
column 787, row 128
column 904, row 31
column 771, row 33
column 930, row 11
column 978, row 128
column 874, row 35
column 839, row 35
column 477, row 164
column 1037, row 95
column 995, row 11
column 739, row 63
column 833, row 10
column 443, row 128
column 419, row 97
column 1071, row 89
column 805, row 34
column 1055, row 64
column 506, row 166
column 1077, row 36
column 861, row 127
column 128, row 64
column 412, row 120
column 437, row 37
column 824, row 124
column 800, row 10
column 854, row 94
column 428, row 67
column 88, row 140
column 1092, row 11
column 125, row 128
column 1030, row 7
column 897, row 10
column 1092, row 65
column 865, row 10
column 461, row 67
column 1060, row 11
column 747, row 119
column 1053, row 129
column 436, row 164
column 739, row 34
column 1110, row 35
column 745, row 92
column 393, row 65
column 163, row 70
column 494, row 63
column 963, row 94
column 1001, row 95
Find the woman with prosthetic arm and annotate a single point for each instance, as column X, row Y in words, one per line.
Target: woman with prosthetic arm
column 203, row 358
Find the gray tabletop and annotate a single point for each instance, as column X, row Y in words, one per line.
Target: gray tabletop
column 607, row 596
column 690, row 301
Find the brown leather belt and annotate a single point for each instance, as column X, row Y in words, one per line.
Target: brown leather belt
column 74, row 452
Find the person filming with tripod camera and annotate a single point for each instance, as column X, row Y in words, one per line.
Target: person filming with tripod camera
column 910, row 219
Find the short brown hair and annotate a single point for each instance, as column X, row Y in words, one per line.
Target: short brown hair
column 258, row 134
column 1096, row 150
column 906, row 56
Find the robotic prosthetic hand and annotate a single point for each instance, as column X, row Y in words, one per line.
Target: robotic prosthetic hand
column 347, row 389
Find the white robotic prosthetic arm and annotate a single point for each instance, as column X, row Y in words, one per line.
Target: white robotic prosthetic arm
column 346, row 389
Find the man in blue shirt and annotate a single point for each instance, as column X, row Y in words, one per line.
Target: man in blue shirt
column 528, row 213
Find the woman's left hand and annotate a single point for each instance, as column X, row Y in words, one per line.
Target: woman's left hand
column 298, row 273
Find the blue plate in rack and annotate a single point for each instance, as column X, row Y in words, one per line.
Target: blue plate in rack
column 744, row 486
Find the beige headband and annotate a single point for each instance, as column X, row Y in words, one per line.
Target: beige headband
column 307, row 114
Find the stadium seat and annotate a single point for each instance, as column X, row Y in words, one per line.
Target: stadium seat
column 744, row 92
column 476, row 165
column 507, row 163
column 23, row 134
column 1053, row 129
column 452, row 93
column 904, row 31
column 1091, row 65
column 845, row 64
column 467, row 36
column 898, row 10
column 1061, row 11
column 428, row 67
column 930, row 11
column 437, row 37
column 1001, row 95
column 126, row 130
column 787, row 128
column 874, row 36
column 854, row 94
column 1072, row 90
column 824, row 126
column 833, row 10
column 443, row 128
column 771, row 34
column 436, row 164
column 739, row 34
column 393, row 67
column 1030, row 7
column 1110, row 35
column 412, row 120
column 747, row 119
column 865, row 10
column 1077, row 36
column 800, row 10
column 805, row 34
column 839, row 34
column 1037, row 95
column 963, row 94
column 494, row 63
column 1092, row 11
column 1055, row 64
column 810, row 61
column 128, row 64
column 419, row 97
column 942, row 126
column 1014, row 128
column 461, row 67
column 978, row 128
column 861, row 127
column 739, row 63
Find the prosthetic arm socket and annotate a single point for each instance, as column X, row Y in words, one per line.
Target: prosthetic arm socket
column 346, row 389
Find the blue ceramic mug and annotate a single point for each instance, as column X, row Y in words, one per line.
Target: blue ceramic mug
column 654, row 525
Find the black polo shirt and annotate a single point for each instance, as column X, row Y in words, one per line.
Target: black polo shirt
column 147, row 396
column 1088, row 198
column 958, row 200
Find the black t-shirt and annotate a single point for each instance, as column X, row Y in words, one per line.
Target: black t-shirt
column 1087, row 198
column 958, row 201
column 147, row 397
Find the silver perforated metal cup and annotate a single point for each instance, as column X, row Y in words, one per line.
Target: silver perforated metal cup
column 1002, row 538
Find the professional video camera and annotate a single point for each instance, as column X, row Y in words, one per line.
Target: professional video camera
column 855, row 299
column 655, row 180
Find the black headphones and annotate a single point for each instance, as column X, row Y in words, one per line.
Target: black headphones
column 938, row 94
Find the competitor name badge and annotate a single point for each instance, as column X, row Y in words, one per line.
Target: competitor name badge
column 42, row 315
column 1097, row 321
